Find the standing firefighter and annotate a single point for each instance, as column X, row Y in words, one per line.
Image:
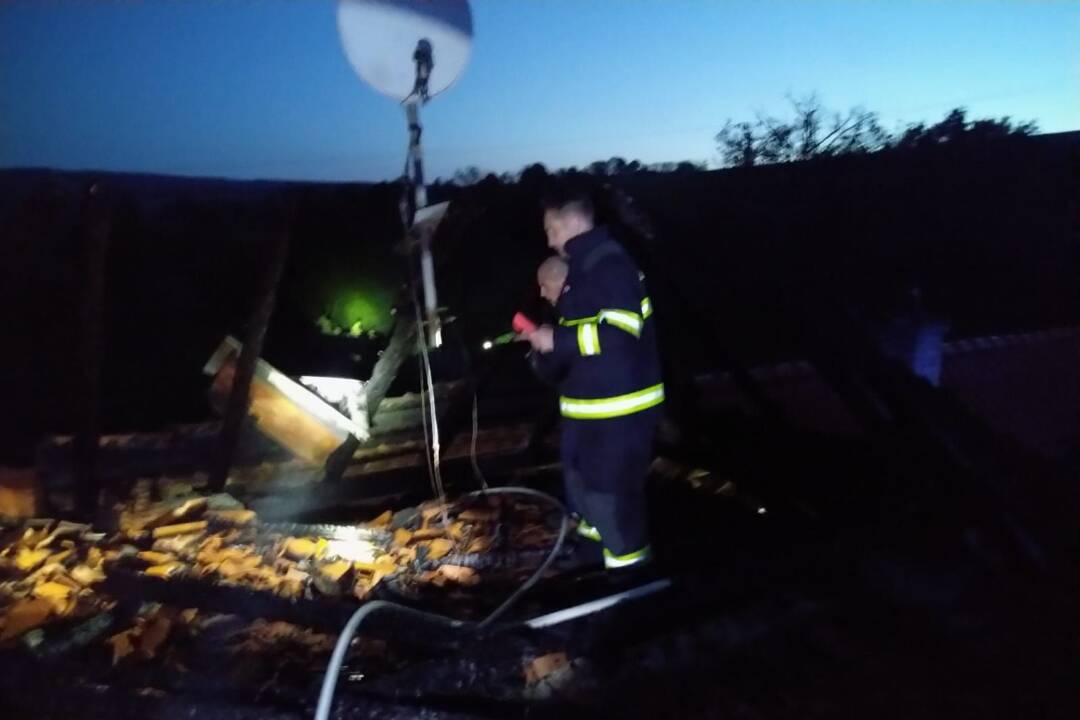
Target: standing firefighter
column 604, row 350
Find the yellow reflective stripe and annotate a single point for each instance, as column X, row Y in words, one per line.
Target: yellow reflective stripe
column 631, row 318
column 646, row 308
column 602, row 408
column 577, row 321
column 611, row 560
column 631, row 322
column 585, row 530
column 588, row 338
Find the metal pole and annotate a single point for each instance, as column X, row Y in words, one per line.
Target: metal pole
column 403, row 340
column 419, row 200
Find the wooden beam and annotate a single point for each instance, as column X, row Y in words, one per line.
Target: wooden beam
column 95, row 229
column 249, row 354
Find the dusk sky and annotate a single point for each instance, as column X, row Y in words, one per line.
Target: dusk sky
column 262, row 89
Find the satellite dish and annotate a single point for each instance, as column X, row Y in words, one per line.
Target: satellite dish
column 385, row 39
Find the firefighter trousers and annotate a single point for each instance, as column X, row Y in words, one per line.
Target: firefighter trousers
column 605, row 463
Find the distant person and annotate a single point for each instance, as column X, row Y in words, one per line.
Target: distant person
column 605, row 356
column 915, row 338
column 551, row 278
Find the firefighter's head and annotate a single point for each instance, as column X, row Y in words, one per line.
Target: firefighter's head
column 551, row 277
column 567, row 215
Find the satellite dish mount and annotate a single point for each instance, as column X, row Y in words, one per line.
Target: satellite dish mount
column 392, row 45
column 425, row 62
column 416, row 190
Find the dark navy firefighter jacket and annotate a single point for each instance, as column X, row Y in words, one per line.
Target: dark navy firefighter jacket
column 605, row 353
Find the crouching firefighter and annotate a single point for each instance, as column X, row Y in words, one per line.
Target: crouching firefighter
column 605, row 357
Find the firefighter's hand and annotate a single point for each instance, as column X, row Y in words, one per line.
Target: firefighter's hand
column 542, row 339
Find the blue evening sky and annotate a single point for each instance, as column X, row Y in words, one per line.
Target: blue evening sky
column 261, row 88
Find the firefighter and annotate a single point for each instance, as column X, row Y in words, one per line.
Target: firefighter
column 604, row 353
column 551, row 277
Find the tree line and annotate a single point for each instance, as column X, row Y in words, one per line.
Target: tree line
column 810, row 131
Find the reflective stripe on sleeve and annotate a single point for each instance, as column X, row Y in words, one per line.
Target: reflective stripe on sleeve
column 588, row 337
column 631, row 322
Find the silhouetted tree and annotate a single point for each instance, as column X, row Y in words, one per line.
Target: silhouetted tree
column 956, row 129
column 814, row 132
column 598, row 168
column 468, row 176
column 810, row 133
column 687, row 166
column 534, row 176
column 614, row 167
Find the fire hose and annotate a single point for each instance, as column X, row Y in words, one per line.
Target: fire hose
column 352, row 627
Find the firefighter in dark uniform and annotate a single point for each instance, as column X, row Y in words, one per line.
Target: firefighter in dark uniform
column 605, row 355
